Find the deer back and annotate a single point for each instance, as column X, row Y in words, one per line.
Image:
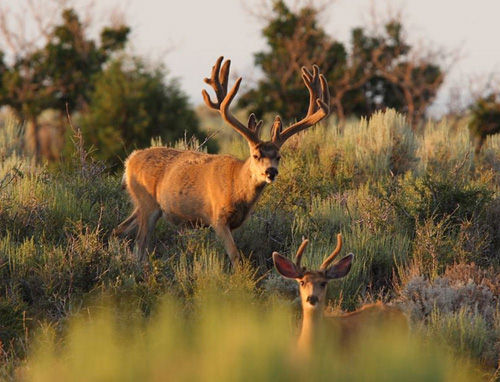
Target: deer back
column 369, row 317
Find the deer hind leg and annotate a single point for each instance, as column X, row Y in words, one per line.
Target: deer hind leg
column 225, row 235
column 128, row 225
column 147, row 219
column 144, row 218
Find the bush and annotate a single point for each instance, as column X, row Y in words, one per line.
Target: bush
column 131, row 104
column 440, row 196
column 462, row 307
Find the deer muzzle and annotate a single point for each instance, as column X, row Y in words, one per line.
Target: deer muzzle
column 271, row 173
column 312, row 299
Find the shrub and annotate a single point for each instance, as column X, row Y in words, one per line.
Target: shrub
column 440, row 196
column 462, row 307
column 131, row 104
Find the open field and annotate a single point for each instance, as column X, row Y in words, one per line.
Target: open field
column 420, row 213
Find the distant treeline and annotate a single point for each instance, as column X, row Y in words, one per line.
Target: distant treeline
column 120, row 102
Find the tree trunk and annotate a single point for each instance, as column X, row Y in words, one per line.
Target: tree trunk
column 337, row 101
column 32, row 137
column 410, row 105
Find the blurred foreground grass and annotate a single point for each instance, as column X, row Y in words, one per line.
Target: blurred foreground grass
column 230, row 337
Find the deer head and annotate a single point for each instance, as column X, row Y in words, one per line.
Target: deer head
column 312, row 284
column 264, row 155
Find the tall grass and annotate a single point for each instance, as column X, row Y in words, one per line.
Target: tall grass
column 228, row 338
column 401, row 200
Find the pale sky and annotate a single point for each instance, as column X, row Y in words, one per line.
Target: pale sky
column 199, row 31
column 188, row 35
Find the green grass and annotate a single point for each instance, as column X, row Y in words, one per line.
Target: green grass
column 408, row 206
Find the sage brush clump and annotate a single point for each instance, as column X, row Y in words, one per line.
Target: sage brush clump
column 462, row 306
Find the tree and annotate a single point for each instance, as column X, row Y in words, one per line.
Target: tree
column 130, row 104
column 485, row 120
column 25, row 89
column 58, row 73
column 71, row 59
column 414, row 79
column 379, row 69
column 294, row 40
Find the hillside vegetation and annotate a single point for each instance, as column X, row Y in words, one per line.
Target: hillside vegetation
column 420, row 213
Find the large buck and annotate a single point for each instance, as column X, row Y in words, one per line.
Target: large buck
column 312, row 287
column 220, row 191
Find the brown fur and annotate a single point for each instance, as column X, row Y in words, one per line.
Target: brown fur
column 220, row 191
column 373, row 316
column 191, row 188
column 312, row 288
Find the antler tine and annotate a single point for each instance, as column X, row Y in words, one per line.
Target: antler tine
column 224, row 76
column 319, row 105
column 219, row 82
column 276, row 129
column 213, row 81
column 335, row 252
column 300, row 251
column 312, row 83
column 254, row 125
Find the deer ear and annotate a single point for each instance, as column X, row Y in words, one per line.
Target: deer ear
column 285, row 267
column 341, row 268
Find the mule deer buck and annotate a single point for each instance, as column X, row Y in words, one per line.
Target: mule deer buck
column 220, row 191
column 312, row 287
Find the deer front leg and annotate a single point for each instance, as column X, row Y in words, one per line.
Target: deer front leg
column 225, row 235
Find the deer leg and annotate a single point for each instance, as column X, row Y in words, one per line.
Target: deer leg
column 128, row 225
column 147, row 222
column 479, row 144
column 132, row 227
column 225, row 235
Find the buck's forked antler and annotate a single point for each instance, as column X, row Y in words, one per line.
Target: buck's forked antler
column 300, row 251
column 332, row 256
column 319, row 107
column 326, row 263
column 219, row 82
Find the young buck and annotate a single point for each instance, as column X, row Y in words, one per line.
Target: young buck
column 220, row 191
column 312, row 287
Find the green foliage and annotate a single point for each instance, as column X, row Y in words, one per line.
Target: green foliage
column 485, row 120
column 132, row 103
column 56, row 75
column 424, row 209
column 71, row 59
column 60, row 72
column 235, row 338
column 282, row 89
column 439, row 196
column 466, row 333
column 13, row 325
column 377, row 71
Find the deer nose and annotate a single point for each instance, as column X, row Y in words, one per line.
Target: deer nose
column 312, row 299
column 271, row 172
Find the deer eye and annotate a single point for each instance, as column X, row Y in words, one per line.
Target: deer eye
column 301, row 283
column 255, row 156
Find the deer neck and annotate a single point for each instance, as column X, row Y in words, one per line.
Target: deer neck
column 311, row 325
column 248, row 188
